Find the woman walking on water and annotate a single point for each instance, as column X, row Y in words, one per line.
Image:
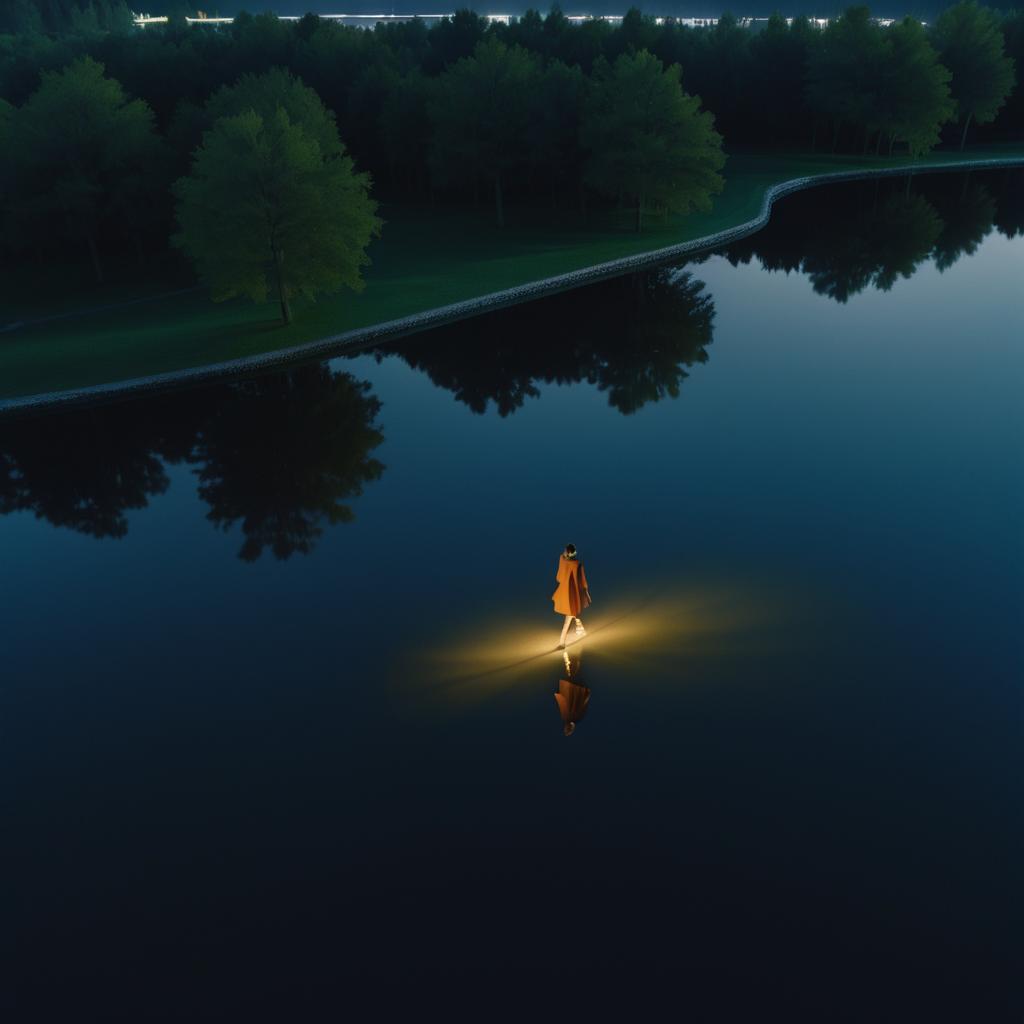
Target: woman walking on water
column 572, row 595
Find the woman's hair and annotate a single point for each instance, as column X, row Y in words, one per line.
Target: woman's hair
column 570, row 550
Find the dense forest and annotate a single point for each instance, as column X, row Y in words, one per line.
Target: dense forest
column 98, row 121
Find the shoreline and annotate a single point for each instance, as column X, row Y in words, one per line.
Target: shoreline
column 362, row 338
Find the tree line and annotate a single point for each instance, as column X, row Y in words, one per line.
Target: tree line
column 113, row 141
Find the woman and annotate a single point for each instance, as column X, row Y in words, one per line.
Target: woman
column 572, row 595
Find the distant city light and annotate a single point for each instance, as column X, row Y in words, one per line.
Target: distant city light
column 369, row 20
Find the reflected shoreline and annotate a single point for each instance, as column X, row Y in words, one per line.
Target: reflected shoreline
column 279, row 455
column 366, row 338
column 884, row 230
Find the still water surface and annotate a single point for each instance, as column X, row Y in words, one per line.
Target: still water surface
column 279, row 669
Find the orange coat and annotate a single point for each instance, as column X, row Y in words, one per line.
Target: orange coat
column 571, row 597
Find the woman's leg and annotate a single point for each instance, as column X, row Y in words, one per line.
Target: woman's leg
column 565, row 630
column 579, row 626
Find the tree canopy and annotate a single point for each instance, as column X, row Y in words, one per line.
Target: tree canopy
column 648, row 139
column 534, row 111
column 914, row 101
column 273, row 90
column 480, row 115
column 970, row 44
column 265, row 210
column 81, row 149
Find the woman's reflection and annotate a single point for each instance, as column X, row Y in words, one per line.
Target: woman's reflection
column 572, row 697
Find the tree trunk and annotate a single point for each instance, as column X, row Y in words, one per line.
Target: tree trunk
column 892, row 142
column 94, row 256
column 498, row 208
column 282, row 290
column 878, row 144
column 963, row 138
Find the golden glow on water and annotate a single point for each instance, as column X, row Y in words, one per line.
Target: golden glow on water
column 647, row 635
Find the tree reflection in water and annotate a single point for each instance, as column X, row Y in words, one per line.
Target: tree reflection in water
column 631, row 336
column 872, row 233
column 965, row 224
column 283, row 455
column 1009, row 218
column 83, row 471
column 279, row 454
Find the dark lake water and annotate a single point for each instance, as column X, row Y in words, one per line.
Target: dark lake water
column 278, row 715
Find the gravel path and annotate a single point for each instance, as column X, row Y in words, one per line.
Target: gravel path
column 366, row 337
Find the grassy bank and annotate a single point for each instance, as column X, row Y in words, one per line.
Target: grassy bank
column 426, row 258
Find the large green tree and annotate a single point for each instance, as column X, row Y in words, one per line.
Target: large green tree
column 914, row 101
column 970, row 44
column 480, row 113
column 82, row 153
column 845, row 72
column 778, row 71
column 554, row 143
column 404, row 128
column 1011, row 117
column 648, row 140
column 266, row 210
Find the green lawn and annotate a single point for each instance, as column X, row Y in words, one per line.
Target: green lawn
column 425, row 258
